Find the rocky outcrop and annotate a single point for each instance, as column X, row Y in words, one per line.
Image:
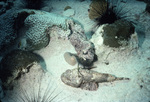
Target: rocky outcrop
column 118, row 33
column 14, row 64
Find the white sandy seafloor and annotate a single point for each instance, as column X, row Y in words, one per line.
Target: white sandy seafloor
column 123, row 62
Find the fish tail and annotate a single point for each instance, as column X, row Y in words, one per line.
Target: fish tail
column 122, row 78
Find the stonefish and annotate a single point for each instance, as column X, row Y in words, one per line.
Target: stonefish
column 87, row 79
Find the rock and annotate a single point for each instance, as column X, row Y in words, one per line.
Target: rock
column 118, row 33
column 67, row 7
column 97, row 38
column 14, row 64
column 69, row 13
column 70, row 58
column 87, row 79
column 34, row 84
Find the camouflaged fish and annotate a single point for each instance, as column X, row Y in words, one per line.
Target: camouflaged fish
column 87, row 79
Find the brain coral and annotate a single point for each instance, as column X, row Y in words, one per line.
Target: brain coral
column 36, row 36
column 10, row 24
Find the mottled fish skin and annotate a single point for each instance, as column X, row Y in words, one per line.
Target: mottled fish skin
column 76, row 79
column 71, row 79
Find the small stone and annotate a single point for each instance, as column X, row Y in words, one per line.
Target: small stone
column 70, row 58
column 67, row 7
column 106, row 62
column 69, row 13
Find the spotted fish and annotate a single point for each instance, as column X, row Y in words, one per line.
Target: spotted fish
column 87, row 79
